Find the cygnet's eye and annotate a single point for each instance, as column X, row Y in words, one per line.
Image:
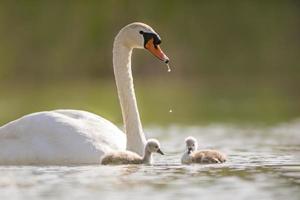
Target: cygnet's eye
column 141, row 32
column 156, row 147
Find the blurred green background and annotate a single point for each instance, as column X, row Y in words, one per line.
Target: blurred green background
column 233, row 61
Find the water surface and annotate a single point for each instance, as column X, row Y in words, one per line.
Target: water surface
column 264, row 163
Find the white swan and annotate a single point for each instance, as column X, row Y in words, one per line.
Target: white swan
column 63, row 137
column 129, row 157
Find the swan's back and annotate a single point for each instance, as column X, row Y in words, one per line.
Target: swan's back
column 121, row 157
column 208, row 156
column 58, row 137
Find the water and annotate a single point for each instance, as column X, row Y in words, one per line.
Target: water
column 169, row 68
column 263, row 163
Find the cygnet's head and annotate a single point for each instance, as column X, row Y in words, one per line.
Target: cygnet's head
column 191, row 144
column 140, row 35
column 153, row 146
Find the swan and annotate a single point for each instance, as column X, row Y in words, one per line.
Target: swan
column 129, row 157
column 67, row 137
column 192, row 155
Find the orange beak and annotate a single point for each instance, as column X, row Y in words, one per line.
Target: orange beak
column 155, row 50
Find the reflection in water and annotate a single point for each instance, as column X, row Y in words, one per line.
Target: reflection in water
column 130, row 169
column 262, row 164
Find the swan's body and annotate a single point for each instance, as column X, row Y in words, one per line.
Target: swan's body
column 208, row 156
column 128, row 157
column 62, row 137
column 192, row 155
column 59, row 137
column 121, row 158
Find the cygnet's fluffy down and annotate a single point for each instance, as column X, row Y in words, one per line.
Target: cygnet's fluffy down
column 192, row 155
column 128, row 157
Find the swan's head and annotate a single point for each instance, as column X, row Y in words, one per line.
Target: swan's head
column 153, row 146
column 141, row 36
column 191, row 144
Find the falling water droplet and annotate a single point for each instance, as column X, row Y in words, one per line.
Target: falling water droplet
column 169, row 69
column 170, row 111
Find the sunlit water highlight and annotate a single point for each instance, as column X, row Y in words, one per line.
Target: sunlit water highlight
column 263, row 163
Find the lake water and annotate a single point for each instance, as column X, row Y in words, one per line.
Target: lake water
column 263, row 163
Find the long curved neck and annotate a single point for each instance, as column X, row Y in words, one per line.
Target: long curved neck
column 131, row 118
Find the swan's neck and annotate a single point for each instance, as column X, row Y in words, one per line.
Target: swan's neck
column 131, row 118
column 147, row 158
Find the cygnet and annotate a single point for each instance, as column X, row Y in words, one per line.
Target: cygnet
column 192, row 155
column 128, row 157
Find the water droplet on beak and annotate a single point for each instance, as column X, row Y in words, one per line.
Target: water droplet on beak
column 169, row 68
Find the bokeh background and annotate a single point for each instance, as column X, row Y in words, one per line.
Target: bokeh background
column 232, row 62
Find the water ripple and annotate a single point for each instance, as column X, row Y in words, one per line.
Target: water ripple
column 263, row 163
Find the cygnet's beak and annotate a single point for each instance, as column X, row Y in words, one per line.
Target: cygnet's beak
column 156, row 50
column 159, row 151
column 190, row 150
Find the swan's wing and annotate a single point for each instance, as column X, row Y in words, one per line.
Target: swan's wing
column 59, row 137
